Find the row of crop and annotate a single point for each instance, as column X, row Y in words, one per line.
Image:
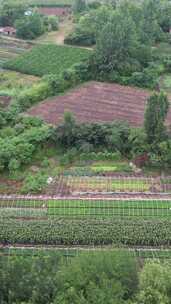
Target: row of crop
column 100, row 184
column 87, row 203
column 87, row 232
column 23, row 213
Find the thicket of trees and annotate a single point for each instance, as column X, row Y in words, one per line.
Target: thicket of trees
column 125, row 33
column 97, row 278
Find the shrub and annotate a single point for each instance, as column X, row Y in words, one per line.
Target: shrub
column 22, row 146
column 2, row 119
column 147, row 79
column 34, row 183
column 30, row 27
column 101, row 277
column 56, row 83
column 36, row 93
column 45, row 163
column 82, row 71
column 81, row 38
column 13, row 165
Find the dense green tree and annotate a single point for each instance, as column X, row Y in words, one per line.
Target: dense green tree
column 65, row 131
column 155, row 284
column 10, row 11
column 30, row 27
column 155, row 115
column 89, row 25
column 28, row 279
column 101, row 277
column 149, row 27
column 116, row 43
column 79, row 6
column 164, row 15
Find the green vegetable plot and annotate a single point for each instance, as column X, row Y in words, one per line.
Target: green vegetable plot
column 47, row 59
column 62, row 231
column 86, row 208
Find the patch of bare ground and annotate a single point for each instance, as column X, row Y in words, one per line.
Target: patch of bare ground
column 97, row 102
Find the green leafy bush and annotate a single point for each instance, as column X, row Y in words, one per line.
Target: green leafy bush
column 36, row 93
column 34, row 183
column 13, row 165
column 30, row 27
column 18, row 150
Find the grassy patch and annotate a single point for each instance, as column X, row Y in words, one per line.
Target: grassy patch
column 102, row 166
column 165, row 83
column 11, row 83
column 47, row 59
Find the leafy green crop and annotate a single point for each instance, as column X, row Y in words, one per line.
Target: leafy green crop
column 134, row 232
column 47, row 59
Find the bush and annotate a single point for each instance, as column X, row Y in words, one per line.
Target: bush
column 36, row 93
column 21, row 147
column 167, row 63
column 30, row 27
column 45, row 163
column 80, row 38
column 82, row 71
column 2, row 119
column 101, row 277
column 52, row 23
column 34, row 183
column 56, row 83
column 13, row 165
column 148, row 78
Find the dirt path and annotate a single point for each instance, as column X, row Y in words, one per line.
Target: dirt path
column 65, row 28
column 59, row 36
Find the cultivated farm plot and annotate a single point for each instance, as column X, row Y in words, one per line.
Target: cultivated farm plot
column 88, row 231
column 88, row 221
column 78, row 185
column 97, row 102
column 85, row 208
column 47, row 59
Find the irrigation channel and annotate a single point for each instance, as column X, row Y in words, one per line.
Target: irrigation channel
column 91, row 215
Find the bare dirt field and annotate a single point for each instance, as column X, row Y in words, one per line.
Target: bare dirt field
column 55, row 11
column 97, row 102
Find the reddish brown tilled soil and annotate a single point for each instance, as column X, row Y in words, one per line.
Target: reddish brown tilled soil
column 97, row 102
column 54, row 11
